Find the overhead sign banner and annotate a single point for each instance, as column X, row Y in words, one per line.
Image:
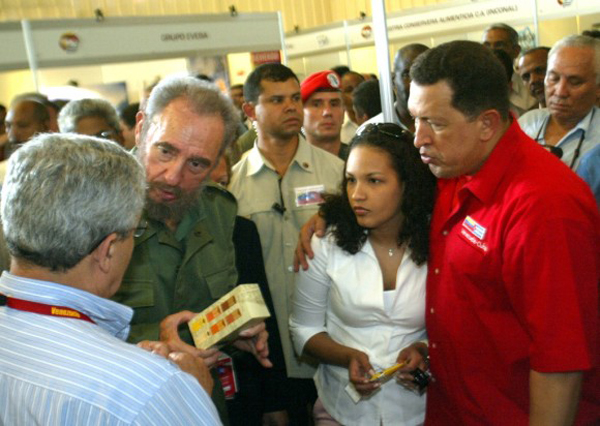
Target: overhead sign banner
column 431, row 21
column 85, row 41
column 428, row 22
column 13, row 46
column 474, row 14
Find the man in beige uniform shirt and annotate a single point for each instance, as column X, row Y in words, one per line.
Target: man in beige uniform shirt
column 278, row 184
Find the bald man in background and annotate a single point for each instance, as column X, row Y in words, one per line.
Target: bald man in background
column 404, row 59
column 25, row 119
column 531, row 67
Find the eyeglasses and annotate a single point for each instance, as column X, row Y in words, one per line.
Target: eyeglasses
column 140, row 228
column 387, row 129
column 106, row 134
column 138, row 231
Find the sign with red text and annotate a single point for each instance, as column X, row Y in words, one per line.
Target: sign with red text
column 259, row 58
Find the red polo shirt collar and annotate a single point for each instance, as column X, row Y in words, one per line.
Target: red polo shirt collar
column 484, row 183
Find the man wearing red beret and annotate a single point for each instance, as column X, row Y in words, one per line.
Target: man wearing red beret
column 324, row 112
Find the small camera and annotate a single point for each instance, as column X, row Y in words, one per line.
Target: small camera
column 421, row 379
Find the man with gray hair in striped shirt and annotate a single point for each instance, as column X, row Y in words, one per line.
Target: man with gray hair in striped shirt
column 71, row 206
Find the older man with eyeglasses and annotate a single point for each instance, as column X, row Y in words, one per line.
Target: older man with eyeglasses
column 92, row 117
column 571, row 120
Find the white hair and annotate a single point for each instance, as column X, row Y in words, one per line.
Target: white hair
column 581, row 41
column 64, row 193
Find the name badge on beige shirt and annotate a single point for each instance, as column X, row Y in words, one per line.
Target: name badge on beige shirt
column 309, row 195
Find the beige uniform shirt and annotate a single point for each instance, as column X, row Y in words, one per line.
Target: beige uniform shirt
column 279, row 207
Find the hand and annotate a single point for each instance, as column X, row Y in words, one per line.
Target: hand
column 360, row 370
column 158, row 348
column 316, row 225
column 194, row 366
column 415, row 357
column 186, row 362
column 276, row 418
column 170, row 335
column 254, row 340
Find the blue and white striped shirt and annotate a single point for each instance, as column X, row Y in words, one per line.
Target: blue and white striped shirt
column 64, row 371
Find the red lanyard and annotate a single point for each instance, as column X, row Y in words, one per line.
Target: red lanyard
column 43, row 309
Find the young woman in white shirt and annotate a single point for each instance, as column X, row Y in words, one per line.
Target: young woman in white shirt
column 362, row 299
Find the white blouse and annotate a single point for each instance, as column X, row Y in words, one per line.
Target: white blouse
column 342, row 294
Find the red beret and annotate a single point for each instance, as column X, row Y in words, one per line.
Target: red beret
column 327, row 80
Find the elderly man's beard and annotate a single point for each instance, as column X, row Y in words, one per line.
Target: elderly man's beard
column 172, row 211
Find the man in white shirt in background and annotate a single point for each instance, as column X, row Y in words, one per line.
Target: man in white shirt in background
column 504, row 37
column 571, row 120
column 531, row 67
column 349, row 81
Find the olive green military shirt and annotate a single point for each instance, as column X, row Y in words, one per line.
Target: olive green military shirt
column 186, row 270
column 243, row 144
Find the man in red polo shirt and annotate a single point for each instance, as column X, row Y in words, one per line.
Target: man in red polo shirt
column 512, row 292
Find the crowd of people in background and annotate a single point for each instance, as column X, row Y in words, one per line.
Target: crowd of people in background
column 457, row 242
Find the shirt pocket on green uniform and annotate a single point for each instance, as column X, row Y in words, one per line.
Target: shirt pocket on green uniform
column 136, row 293
column 220, row 283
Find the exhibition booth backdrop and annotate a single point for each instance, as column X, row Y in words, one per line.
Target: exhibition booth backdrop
column 137, row 51
column 130, row 50
column 351, row 42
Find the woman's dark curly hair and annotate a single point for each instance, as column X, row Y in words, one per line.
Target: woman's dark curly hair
column 417, row 198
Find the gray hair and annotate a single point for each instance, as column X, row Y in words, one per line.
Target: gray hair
column 64, row 193
column 581, row 41
column 513, row 35
column 29, row 96
column 40, row 112
column 75, row 110
column 205, row 99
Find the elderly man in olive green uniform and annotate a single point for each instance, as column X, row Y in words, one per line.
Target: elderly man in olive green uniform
column 184, row 261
